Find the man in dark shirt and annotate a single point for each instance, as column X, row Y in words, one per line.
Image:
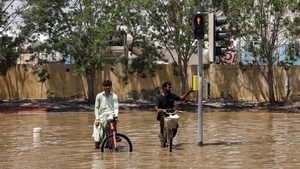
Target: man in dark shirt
column 166, row 101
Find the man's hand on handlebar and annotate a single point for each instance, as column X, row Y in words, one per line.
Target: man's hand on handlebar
column 97, row 122
column 115, row 118
column 161, row 110
column 166, row 110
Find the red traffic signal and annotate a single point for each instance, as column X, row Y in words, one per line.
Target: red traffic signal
column 198, row 20
column 198, row 24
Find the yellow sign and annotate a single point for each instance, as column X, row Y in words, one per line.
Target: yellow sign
column 195, row 83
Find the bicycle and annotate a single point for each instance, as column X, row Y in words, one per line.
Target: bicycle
column 170, row 128
column 115, row 142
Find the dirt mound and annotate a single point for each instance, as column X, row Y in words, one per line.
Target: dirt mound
column 67, row 105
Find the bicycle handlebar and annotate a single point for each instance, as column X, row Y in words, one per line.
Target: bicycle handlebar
column 114, row 120
column 170, row 111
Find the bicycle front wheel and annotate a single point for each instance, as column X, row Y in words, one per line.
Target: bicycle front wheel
column 123, row 144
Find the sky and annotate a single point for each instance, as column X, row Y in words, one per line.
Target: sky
column 16, row 20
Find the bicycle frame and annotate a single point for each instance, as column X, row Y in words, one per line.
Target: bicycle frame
column 112, row 129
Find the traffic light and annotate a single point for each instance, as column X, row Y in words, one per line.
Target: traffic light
column 198, row 24
column 215, row 35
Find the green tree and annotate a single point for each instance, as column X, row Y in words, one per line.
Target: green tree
column 168, row 26
column 269, row 23
column 9, row 44
column 144, row 52
column 81, row 28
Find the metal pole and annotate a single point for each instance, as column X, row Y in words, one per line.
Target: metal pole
column 200, row 93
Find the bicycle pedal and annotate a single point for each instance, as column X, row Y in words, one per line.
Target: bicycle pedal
column 116, row 149
column 173, row 145
column 119, row 139
column 160, row 135
column 163, row 145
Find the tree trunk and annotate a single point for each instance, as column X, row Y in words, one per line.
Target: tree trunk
column 90, row 82
column 288, row 86
column 271, row 84
column 183, row 79
column 182, row 85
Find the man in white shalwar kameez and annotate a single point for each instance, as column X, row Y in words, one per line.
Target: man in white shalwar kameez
column 106, row 108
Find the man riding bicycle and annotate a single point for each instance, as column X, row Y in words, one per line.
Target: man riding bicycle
column 106, row 108
column 166, row 101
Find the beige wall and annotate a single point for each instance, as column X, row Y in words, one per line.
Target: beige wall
column 230, row 80
column 251, row 85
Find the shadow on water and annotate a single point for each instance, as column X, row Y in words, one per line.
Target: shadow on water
column 179, row 146
column 223, row 143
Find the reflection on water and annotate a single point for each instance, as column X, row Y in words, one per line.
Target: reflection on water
column 231, row 140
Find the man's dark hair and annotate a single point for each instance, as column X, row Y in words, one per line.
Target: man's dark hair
column 106, row 83
column 165, row 84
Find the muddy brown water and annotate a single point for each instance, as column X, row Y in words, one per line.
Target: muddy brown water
column 231, row 140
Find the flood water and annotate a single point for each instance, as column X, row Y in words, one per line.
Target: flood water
column 231, row 140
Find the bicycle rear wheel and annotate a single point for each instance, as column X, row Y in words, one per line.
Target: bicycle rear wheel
column 123, row 145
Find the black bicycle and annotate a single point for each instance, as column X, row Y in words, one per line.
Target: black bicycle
column 115, row 142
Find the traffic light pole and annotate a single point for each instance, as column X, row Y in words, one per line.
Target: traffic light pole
column 200, row 91
column 198, row 29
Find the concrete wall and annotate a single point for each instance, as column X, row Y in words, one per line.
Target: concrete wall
column 227, row 82
column 251, row 85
